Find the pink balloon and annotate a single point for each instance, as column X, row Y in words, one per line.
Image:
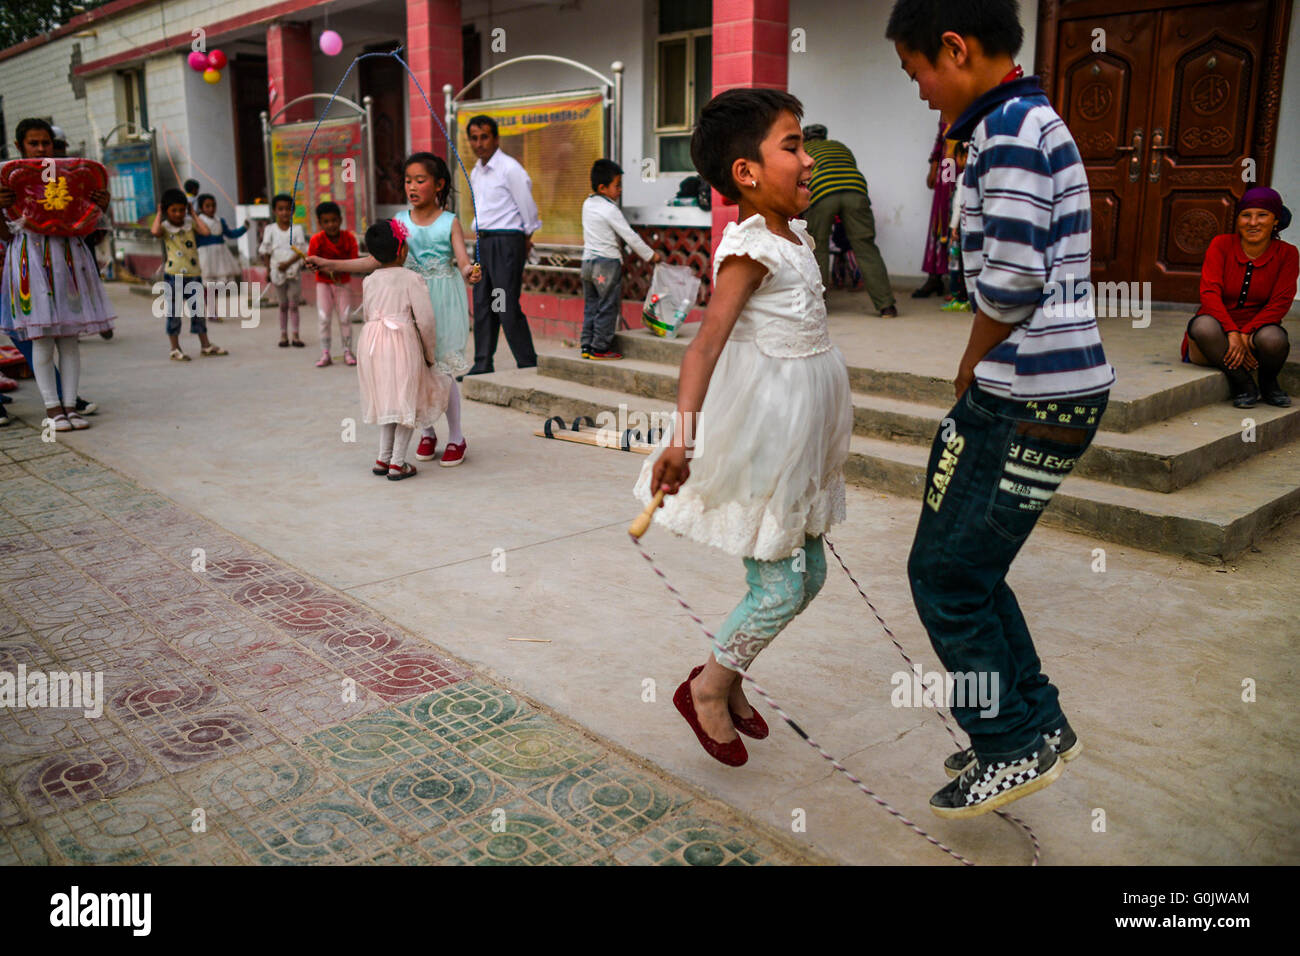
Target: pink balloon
column 198, row 61
column 217, row 60
column 330, row 43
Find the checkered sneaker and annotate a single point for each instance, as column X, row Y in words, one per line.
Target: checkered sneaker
column 983, row 787
column 1063, row 740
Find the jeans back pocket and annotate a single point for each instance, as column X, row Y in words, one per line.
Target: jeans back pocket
column 1033, row 467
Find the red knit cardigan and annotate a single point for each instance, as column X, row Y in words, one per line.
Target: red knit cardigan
column 1245, row 294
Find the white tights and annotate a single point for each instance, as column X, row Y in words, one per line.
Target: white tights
column 69, row 369
column 394, row 440
column 453, row 417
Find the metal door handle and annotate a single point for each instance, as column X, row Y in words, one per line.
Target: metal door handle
column 1157, row 147
column 1135, row 162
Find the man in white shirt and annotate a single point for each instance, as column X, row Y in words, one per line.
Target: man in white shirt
column 505, row 220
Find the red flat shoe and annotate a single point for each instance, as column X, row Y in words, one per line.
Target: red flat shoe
column 755, row 726
column 732, row 753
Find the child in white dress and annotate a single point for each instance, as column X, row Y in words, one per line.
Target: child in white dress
column 764, row 400
column 216, row 262
column 400, row 390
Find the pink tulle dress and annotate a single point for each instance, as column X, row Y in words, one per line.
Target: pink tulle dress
column 397, row 386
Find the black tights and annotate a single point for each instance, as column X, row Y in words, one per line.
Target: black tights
column 1269, row 343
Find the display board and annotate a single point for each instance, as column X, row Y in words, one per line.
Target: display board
column 556, row 137
column 335, row 169
column 132, row 182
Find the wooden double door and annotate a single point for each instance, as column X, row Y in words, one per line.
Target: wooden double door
column 1174, row 109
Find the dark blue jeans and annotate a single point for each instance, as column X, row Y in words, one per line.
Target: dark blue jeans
column 602, row 283
column 993, row 468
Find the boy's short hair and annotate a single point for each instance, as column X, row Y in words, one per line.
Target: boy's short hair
column 482, row 119
column 27, row 125
column 920, row 24
column 381, row 242
column 174, row 197
column 328, row 206
column 603, row 172
column 733, row 125
column 191, row 186
column 279, row 198
column 201, row 198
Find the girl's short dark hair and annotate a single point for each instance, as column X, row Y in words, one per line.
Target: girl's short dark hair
column 191, row 185
column 27, row 125
column 920, row 24
column 279, row 198
column 381, row 242
column 202, row 198
column 732, row 126
column 328, row 206
column 174, row 197
column 435, row 167
column 603, row 172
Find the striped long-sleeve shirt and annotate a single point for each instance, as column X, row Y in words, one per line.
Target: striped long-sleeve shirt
column 836, row 169
column 1027, row 246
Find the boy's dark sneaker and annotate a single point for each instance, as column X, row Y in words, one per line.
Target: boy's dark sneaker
column 1063, row 740
column 86, row 408
column 984, row 787
column 603, row 356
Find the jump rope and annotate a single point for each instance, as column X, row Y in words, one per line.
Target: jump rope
column 642, row 524
column 639, row 528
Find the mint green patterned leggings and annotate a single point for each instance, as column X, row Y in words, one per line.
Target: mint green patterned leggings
column 778, row 593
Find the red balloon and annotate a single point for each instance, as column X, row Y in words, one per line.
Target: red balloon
column 217, row 60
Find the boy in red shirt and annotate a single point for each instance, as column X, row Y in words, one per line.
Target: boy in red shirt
column 333, row 288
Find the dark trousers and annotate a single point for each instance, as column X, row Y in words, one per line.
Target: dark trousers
column 496, row 301
column 991, row 474
column 602, row 287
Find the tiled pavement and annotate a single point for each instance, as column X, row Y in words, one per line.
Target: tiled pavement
column 253, row 715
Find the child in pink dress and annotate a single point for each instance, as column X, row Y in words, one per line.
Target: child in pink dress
column 400, row 390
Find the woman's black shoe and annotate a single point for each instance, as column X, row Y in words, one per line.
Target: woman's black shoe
column 1273, row 394
column 1244, row 392
column 932, row 285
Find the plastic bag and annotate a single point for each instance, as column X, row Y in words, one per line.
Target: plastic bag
column 672, row 294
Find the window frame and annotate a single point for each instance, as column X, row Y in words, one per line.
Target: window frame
column 662, row 132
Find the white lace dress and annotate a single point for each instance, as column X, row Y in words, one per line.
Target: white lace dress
column 773, row 434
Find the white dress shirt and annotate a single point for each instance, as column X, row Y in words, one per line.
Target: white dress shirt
column 602, row 225
column 503, row 195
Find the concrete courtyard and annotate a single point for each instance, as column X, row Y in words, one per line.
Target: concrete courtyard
column 512, row 575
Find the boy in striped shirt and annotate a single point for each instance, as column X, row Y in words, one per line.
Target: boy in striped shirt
column 1031, row 388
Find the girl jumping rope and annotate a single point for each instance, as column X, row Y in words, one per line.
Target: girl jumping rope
column 436, row 252
column 764, row 397
column 400, row 390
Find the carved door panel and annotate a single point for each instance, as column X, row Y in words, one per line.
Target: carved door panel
column 1103, row 97
column 1209, row 67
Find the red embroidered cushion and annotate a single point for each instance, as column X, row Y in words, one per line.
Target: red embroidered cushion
column 53, row 194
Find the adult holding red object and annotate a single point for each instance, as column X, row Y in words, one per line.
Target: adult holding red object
column 1248, row 283
column 51, row 291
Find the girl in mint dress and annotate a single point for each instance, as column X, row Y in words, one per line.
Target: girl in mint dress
column 436, row 251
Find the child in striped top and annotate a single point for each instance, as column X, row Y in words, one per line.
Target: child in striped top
column 1031, row 388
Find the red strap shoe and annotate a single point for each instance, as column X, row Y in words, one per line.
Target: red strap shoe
column 732, row 753
column 755, row 726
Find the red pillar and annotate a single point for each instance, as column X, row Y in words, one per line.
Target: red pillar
column 288, row 68
column 433, row 51
column 751, row 48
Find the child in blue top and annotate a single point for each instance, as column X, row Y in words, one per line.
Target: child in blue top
column 1031, row 389
column 436, row 251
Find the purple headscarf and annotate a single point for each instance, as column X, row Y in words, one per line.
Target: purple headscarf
column 1270, row 200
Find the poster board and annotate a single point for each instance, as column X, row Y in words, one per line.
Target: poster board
column 556, row 137
column 132, row 182
column 335, row 169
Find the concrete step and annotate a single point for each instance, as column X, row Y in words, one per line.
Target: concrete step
column 1214, row 519
column 1163, row 456
column 1138, row 400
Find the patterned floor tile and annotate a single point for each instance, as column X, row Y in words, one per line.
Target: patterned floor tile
column 80, row 532
column 610, row 801
column 115, row 498
column 30, row 559
column 182, row 741
column 262, row 780
column 20, row 847
column 356, row 643
column 465, row 709
column 304, row 708
column 297, row 604
column 49, row 520
column 11, row 814
column 30, row 732
column 335, row 829
column 404, row 674
column 113, row 557
column 516, row 834
column 152, row 824
column 397, row 856
column 84, row 775
column 9, row 525
column 71, row 473
column 117, row 644
column 530, row 750
column 29, row 450
column 30, row 497
column 205, row 611
column 232, row 574
column 54, row 600
column 254, row 674
column 691, row 840
column 428, row 793
column 369, row 744
column 179, row 545
column 8, row 470
column 159, row 582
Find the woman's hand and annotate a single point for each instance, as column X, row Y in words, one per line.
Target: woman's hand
column 474, row 274
column 316, row 263
column 671, row 470
column 1237, row 350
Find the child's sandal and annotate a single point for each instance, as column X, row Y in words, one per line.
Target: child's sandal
column 396, row 473
column 380, row 469
column 284, row 342
column 178, row 356
column 213, row 349
column 349, row 358
column 61, row 423
column 78, row 423
column 298, row 343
